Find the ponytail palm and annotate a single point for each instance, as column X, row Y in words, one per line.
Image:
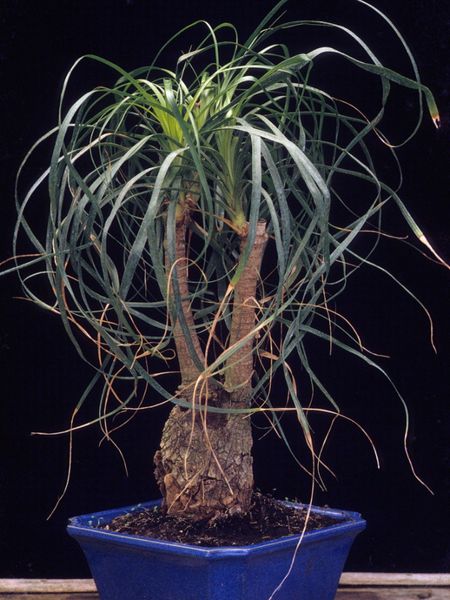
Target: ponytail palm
column 200, row 223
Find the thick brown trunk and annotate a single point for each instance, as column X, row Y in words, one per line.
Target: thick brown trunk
column 238, row 378
column 188, row 369
column 204, row 464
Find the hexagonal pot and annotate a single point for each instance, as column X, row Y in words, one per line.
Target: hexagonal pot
column 128, row 567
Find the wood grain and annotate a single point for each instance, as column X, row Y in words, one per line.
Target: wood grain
column 45, row 596
column 394, row 593
column 50, row 586
column 401, row 579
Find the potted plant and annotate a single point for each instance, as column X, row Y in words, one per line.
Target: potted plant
column 200, row 222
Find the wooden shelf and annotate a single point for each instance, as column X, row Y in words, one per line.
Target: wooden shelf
column 353, row 586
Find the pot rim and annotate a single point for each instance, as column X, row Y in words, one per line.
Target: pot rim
column 87, row 527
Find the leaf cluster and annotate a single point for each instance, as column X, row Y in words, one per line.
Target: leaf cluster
column 239, row 133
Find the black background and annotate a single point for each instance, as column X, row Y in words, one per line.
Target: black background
column 42, row 377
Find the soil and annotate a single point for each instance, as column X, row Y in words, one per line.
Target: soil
column 267, row 519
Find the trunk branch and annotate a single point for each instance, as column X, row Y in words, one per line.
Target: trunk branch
column 239, row 371
column 188, row 368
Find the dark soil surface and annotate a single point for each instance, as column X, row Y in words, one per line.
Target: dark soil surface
column 268, row 519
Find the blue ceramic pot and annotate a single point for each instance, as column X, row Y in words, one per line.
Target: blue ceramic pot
column 127, row 567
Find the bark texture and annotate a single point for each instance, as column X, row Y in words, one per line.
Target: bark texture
column 204, row 464
column 188, row 368
column 238, row 379
column 204, row 469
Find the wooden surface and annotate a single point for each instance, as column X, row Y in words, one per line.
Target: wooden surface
column 377, row 593
column 353, row 586
column 353, row 594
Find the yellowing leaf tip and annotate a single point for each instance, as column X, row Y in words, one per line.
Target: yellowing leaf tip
column 436, row 120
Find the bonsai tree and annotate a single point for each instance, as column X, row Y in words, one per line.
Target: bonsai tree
column 200, row 226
